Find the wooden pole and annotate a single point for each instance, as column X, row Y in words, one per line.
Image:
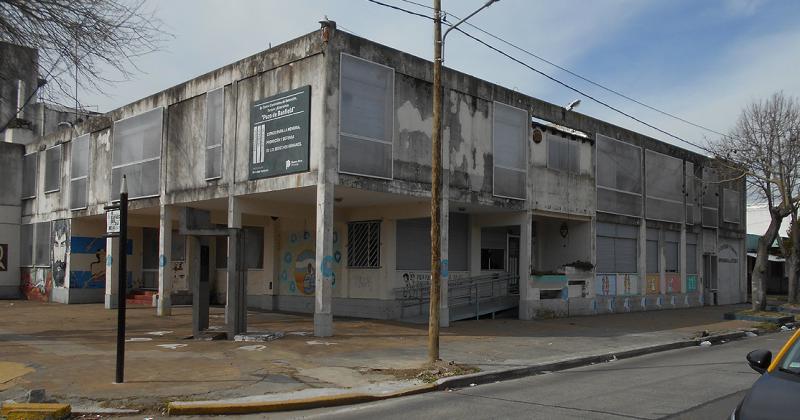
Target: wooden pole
column 436, row 185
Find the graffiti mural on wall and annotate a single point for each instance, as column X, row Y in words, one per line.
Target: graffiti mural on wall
column 3, row 257
column 299, row 268
column 59, row 251
column 37, row 283
column 653, row 284
column 87, row 262
column 691, row 283
column 606, row 284
column 627, row 284
column 673, row 282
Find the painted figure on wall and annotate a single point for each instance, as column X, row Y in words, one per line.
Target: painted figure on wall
column 299, row 268
column 87, row 266
column 59, row 235
column 37, row 283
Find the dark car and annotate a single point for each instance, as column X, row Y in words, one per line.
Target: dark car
column 776, row 394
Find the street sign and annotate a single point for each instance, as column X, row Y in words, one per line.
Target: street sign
column 112, row 221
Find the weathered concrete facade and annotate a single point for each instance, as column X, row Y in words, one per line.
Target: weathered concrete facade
column 347, row 236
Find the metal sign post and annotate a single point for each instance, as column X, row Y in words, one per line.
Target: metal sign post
column 117, row 225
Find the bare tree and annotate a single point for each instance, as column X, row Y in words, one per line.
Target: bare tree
column 79, row 41
column 765, row 143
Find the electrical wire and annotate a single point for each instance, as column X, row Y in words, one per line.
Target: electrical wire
column 572, row 73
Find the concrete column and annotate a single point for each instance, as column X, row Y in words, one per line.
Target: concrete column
column 527, row 295
column 236, row 292
column 323, row 313
column 164, row 256
column 682, row 258
column 112, row 259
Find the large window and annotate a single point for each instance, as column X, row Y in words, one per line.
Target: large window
column 137, row 154
column 29, row 164
column 253, row 247
column 413, row 243
column 664, row 187
column 41, row 245
column 366, row 118
column 510, row 150
column 617, row 248
column 79, row 172
column 364, row 244
column 52, row 169
column 731, row 209
column 619, row 177
column 26, row 245
column 215, row 118
column 651, row 249
column 562, row 154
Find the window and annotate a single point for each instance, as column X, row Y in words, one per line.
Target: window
column 26, row 245
column 691, row 253
column 493, row 259
column 652, row 255
column 619, row 177
column 664, row 187
column 222, row 252
column 79, row 172
column 413, row 243
column 731, row 211
column 41, row 245
column 562, row 154
column 136, row 153
column 52, row 169
column 178, row 249
column 215, row 118
column 364, row 244
column 510, row 150
column 617, row 248
column 710, row 212
column 366, row 118
column 29, row 164
column 253, row 247
column 672, row 261
column 494, row 241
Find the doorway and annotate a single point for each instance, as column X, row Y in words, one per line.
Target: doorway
column 512, row 261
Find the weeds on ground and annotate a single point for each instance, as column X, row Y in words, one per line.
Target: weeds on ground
column 431, row 373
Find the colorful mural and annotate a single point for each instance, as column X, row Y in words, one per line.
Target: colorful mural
column 606, row 284
column 627, row 284
column 37, row 283
column 87, row 262
column 59, row 251
column 673, row 282
column 691, row 283
column 298, row 262
column 653, row 284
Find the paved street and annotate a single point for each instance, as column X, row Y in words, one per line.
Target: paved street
column 692, row 383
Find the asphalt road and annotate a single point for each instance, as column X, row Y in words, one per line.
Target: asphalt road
column 691, row 383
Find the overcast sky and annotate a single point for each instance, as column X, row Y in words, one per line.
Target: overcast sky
column 701, row 60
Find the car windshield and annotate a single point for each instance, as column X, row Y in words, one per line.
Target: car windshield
column 791, row 361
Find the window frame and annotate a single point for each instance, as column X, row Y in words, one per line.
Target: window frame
column 524, row 142
column 34, row 176
column 368, row 242
column 72, row 176
column 341, row 132
column 573, row 147
column 115, row 197
column 599, row 187
column 46, row 166
column 221, row 144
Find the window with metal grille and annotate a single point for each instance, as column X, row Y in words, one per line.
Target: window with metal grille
column 562, row 154
column 616, row 247
column 215, row 113
column 509, row 149
column 366, row 118
column 364, row 244
column 619, row 177
column 52, row 169
column 29, row 163
column 136, row 153
column 79, row 172
column 664, row 187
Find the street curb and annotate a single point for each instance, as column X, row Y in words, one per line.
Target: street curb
column 222, row 408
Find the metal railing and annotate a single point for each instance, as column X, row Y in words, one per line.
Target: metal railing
column 467, row 291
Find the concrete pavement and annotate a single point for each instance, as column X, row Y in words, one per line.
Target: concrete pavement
column 69, row 351
column 691, row 383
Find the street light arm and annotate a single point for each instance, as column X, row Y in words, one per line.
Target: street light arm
column 487, row 4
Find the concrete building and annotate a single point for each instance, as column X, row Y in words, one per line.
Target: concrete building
column 298, row 179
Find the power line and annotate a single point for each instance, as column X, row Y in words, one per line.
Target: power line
column 585, row 79
column 574, row 89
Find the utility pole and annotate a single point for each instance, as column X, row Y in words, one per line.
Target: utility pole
column 436, row 186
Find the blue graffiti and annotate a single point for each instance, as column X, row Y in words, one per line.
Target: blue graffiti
column 284, row 276
column 162, row 260
column 337, row 256
column 109, row 261
column 287, row 257
column 445, row 271
column 326, row 267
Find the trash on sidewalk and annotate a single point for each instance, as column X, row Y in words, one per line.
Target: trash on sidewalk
column 705, row 344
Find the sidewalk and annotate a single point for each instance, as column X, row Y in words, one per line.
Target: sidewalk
column 69, row 351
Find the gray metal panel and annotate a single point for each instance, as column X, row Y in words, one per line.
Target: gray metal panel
column 29, row 169
column 731, row 211
column 618, row 202
column 41, row 251
column 652, row 256
column 671, row 253
column 691, row 258
column 365, row 157
column 26, row 245
column 52, row 169
column 625, row 255
column 215, row 119
column 413, row 244
column 509, row 150
column 605, row 254
column 458, row 243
